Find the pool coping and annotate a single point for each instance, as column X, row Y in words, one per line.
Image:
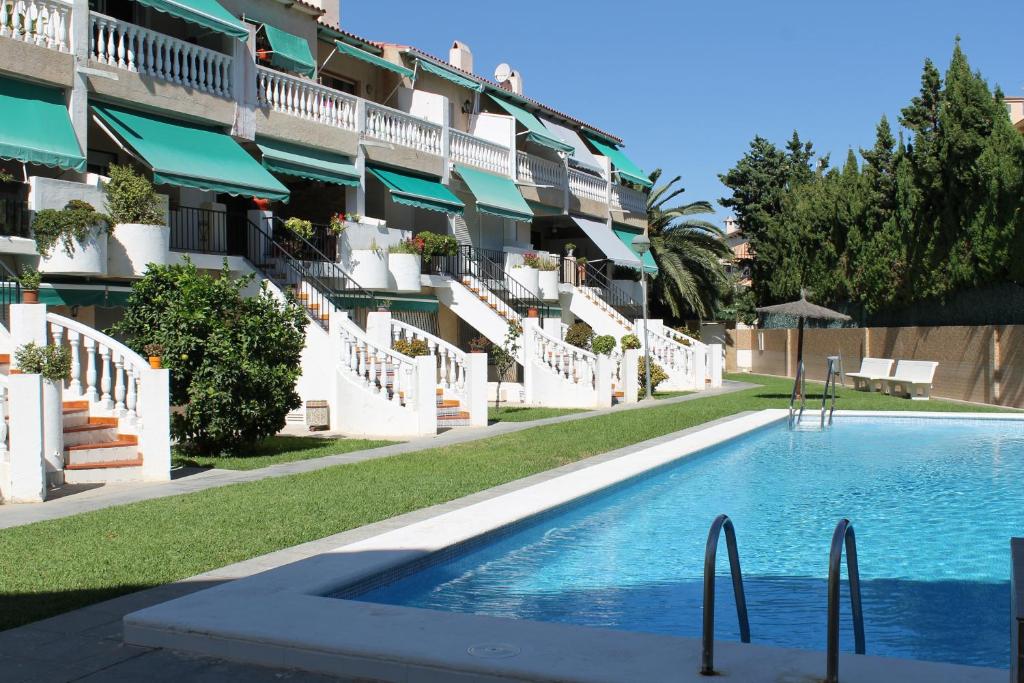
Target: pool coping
column 282, row 618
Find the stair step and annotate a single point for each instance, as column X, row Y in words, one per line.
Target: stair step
column 75, row 417
column 121, row 440
column 80, row 435
column 104, row 472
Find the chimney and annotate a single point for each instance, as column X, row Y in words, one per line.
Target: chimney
column 515, row 82
column 460, row 56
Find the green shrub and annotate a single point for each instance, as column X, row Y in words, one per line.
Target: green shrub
column 580, row 335
column 131, row 198
column 435, row 244
column 30, row 279
column 52, row 362
column 412, row 245
column 411, row 348
column 233, row 361
column 658, row 375
column 547, row 264
column 630, row 341
column 603, row 344
column 300, row 227
column 73, row 223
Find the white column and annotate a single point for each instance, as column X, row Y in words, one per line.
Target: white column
column 446, row 142
column 715, row 364
column 603, row 381
column 476, row 389
column 700, row 360
column 242, row 77
column 425, row 379
column 28, row 472
column 334, row 359
column 28, row 324
column 631, row 376
column 78, row 106
column 378, row 328
column 529, row 357
column 155, row 438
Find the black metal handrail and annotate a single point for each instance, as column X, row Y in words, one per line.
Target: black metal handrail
column 594, row 277
column 487, row 267
column 842, row 535
column 329, row 284
column 323, row 243
column 15, row 217
column 10, row 293
column 707, row 656
column 207, row 231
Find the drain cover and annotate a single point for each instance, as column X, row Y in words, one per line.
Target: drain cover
column 493, row 650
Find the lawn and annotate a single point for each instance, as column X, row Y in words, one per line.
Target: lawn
column 278, row 449
column 670, row 394
column 526, row 413
column 55, row 566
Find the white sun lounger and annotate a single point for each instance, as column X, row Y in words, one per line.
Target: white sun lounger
column 873, row 372
column 912, row 378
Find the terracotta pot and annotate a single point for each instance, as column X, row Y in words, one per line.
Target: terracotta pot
column 532, row 313
column 30, row 296
column 263, row 54
column 154, row 362
column 261, row 203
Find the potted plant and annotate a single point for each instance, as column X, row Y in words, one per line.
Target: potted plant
column 569, row 248
column 140, row 235
column 404, row 264
column 338, row 223
column 81, row 233
column 581, row 269
column 384, row 305
column 370, row 266
column 261, row 203
column 479, row 344
column 527, row 273
column 411, row 347
column 29, row 281
column 155, row 352
column 547, row 278
column 436, row 244
column 53, row 363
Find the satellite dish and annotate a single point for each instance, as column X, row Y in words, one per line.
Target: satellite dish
column 502, row 73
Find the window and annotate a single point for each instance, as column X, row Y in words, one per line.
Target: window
column 118, row 9
column 345, row 85
column 98, row 161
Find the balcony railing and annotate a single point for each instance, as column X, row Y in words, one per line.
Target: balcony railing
column 39, row 22
column 468, row 149
column 15, row 217
column 539, row 171
column 126, row 46
column 396, row 127
column 305, row 99
column 587, row 186
column 207, row 231
column 628, row 199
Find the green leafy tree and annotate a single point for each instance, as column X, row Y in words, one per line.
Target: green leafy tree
column 687, row 250
column 233, row 360
column 504, row 356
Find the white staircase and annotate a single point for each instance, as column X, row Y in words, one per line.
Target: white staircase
column 560, row 375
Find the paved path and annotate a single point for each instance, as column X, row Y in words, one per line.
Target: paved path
column 86, row 645
column 194, row 480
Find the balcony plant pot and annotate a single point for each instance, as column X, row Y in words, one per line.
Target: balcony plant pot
column 526, row 277
column 30, row 296
column 155, row 362
column 405, row 272
column 547, row 281
column 133, row 246
column 89, row 258
column 370, row 268
column 261, row 204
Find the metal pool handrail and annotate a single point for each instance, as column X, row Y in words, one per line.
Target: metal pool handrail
column 707, row 667
column 830, row 381
column 799, row 385
column 842, row 535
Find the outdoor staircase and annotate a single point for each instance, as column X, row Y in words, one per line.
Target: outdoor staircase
column 94, row 450
column 450, row 412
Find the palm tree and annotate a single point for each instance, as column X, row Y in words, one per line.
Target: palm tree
column 687, row 250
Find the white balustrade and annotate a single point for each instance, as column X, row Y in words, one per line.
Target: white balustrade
column 628, row 199
column 382, row 371
column 587, row 186
column 397, row 127
column 676, row 358
column 126, row 46
column 572, row 364
column 305, row 99
column 468, row 149
column 452, row 362
column 112, row 373
column 539, row 171
column 39, row 22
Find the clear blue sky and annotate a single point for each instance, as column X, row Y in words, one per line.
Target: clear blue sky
column 688, row 84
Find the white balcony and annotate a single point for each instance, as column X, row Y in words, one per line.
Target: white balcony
column 628, row 199
column 586, row 186
column 38, row 22
column 399, row 128
column 473, row 151
column 132, row 48
column 542, row 172
column 305, row 99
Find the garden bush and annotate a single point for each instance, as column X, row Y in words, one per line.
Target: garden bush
column 131, row 198
column 233, row 360
column 411, row 347
column 603, row 344
column 74, row 223
column 658, row 375
column 630, row 341
column 580, row 335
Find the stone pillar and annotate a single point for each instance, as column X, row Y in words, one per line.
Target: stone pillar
column 335, row 396
column 476, row 389
column 243, row 86
column 155, row 438
column 28, row 324
column 527, row 341
column 603, row 381
column 715, row 364
column 630, row 376
column 426, row 394
column 78, row 105
column 28, row 471
column 378, row 328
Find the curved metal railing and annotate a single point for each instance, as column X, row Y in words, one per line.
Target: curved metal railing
column 842, row 535
column 707, row 655
column 829, row 394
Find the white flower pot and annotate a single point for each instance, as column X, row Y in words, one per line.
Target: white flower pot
column 370, row 268
column 89, row 258
column 527, row 277
column 547, row 284
column 133, row 246
column 405, row 272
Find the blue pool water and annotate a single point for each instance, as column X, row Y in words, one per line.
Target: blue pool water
column 934, row 503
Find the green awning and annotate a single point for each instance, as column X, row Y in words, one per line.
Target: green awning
column 495, row 194
column 206, row 13
column 290, row 52
column 190, row 155
column 38, row 129
column 626, row 234
column 105, row 297
column 307, row 162
column 450, row 75
column 363, row 55
column 423, row 193
column 623, row 164
column 536, row 131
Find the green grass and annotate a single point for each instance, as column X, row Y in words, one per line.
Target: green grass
column 670, row 394
column 278, row 449
column 55, row 566
column 526, row 413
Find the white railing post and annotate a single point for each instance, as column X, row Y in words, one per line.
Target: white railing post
column 603, row 380
column 532, row 353
column 155, row 436
column 715, row 365
column 629, row 376
column 476, row 389
column 27, row 469
column 425, row 381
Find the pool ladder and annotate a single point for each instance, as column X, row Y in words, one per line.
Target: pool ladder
column 843, row 535
column 828, row 396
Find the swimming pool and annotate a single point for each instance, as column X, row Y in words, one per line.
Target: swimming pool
column 934, row 503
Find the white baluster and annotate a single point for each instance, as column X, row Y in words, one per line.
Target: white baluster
column 5, row 18
column 105, row 376
column 119, row 385
column 90, row 370
column 75, row 388
column 399, row 385
column 132, row 395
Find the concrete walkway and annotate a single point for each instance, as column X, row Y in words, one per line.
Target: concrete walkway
column 192, row 480
column 86, row 645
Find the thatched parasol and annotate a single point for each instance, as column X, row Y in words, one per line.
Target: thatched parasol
column 803, row 309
